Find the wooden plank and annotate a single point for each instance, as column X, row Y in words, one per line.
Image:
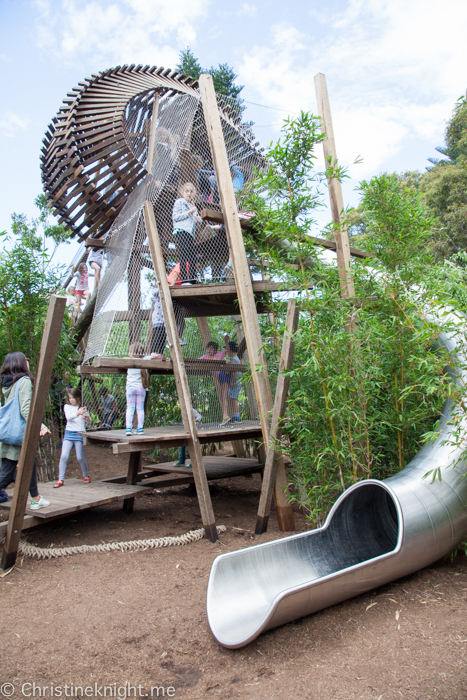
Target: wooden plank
column 181, row 380
column 215, row 289
column 75, row 496
column 132, row 363
column 217, row 217
column 272, row 458
column 50, row 337
column 335, row 189
column 94, row 243
column 242, row 276
column 215, row 467
column 152, row 134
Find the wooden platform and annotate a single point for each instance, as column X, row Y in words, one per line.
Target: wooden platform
column 194, row 366
column 75, row 495
column 171, row 436
column 167, row 474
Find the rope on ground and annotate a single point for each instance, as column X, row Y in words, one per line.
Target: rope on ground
column 29, row 550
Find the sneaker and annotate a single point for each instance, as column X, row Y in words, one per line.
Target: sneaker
column 140, row 431
column 183, row 342
column 86, row 480
column 128, row 432
column 59, row 483
column 225, row 422
column 3, row 496
column 179, row 464
column 41, row 503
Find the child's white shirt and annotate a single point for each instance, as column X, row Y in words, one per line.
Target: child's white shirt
column 74, row 422
column 133, row 376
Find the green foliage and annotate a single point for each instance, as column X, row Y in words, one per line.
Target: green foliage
column 188, row 64
column 366, row 384
column 398, row 226
column 26, row 281
column 285, row 196
column 444, row 187
column 224, row 80
column 223, row 76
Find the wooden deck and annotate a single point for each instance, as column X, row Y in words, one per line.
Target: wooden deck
column 75, row 495
column 171, row 436
column 215, row 467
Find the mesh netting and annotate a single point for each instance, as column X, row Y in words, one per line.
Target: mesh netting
column 128, row 314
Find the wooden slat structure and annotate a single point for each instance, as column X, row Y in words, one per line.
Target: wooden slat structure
column 94, row 154
column 101, row 147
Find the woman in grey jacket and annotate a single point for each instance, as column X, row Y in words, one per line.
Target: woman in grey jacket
column 185, row 218
column 15, row 369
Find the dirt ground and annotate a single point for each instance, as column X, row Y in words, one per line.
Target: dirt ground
column 140, row 618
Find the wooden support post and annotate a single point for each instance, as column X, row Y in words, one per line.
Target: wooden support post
column 243, row 280
column 134, row 467
column 152, row 134
column 335, row 189
column 283, row 381
column 181, row 380
column 50, row 338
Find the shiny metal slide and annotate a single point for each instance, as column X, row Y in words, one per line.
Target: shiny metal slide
column 376, row 532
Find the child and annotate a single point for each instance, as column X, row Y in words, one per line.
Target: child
column 96, row 261
column 185, row 218
column 72, row 304
column 137, row 383
column 109, row 407
column 75, row 416
column 230, row 387
column 82, row 284
column 158, row 324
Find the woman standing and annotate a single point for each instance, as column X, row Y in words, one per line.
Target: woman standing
column 15, row 369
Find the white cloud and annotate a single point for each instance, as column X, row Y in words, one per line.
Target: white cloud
column 248, row 10
column 11, row 124
column 120, row 31
column 394, row 69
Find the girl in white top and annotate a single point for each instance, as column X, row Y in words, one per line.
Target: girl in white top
column 75, row 415
column 137, row 383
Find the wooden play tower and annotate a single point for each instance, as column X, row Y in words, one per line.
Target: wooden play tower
column 115, row 162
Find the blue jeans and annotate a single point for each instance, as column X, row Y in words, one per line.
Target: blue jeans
column 66, row 451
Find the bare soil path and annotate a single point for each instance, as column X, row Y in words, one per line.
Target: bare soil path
column 140, row 618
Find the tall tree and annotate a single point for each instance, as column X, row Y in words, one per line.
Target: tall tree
column 444, row 187
column 223, row 76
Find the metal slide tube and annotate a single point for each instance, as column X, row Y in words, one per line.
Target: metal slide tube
column 376, row 532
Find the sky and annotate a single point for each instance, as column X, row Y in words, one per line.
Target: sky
column 394, row 70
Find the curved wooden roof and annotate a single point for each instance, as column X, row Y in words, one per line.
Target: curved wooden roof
column 95, row 148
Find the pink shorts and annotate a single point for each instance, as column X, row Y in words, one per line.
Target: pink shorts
column 80, row 291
